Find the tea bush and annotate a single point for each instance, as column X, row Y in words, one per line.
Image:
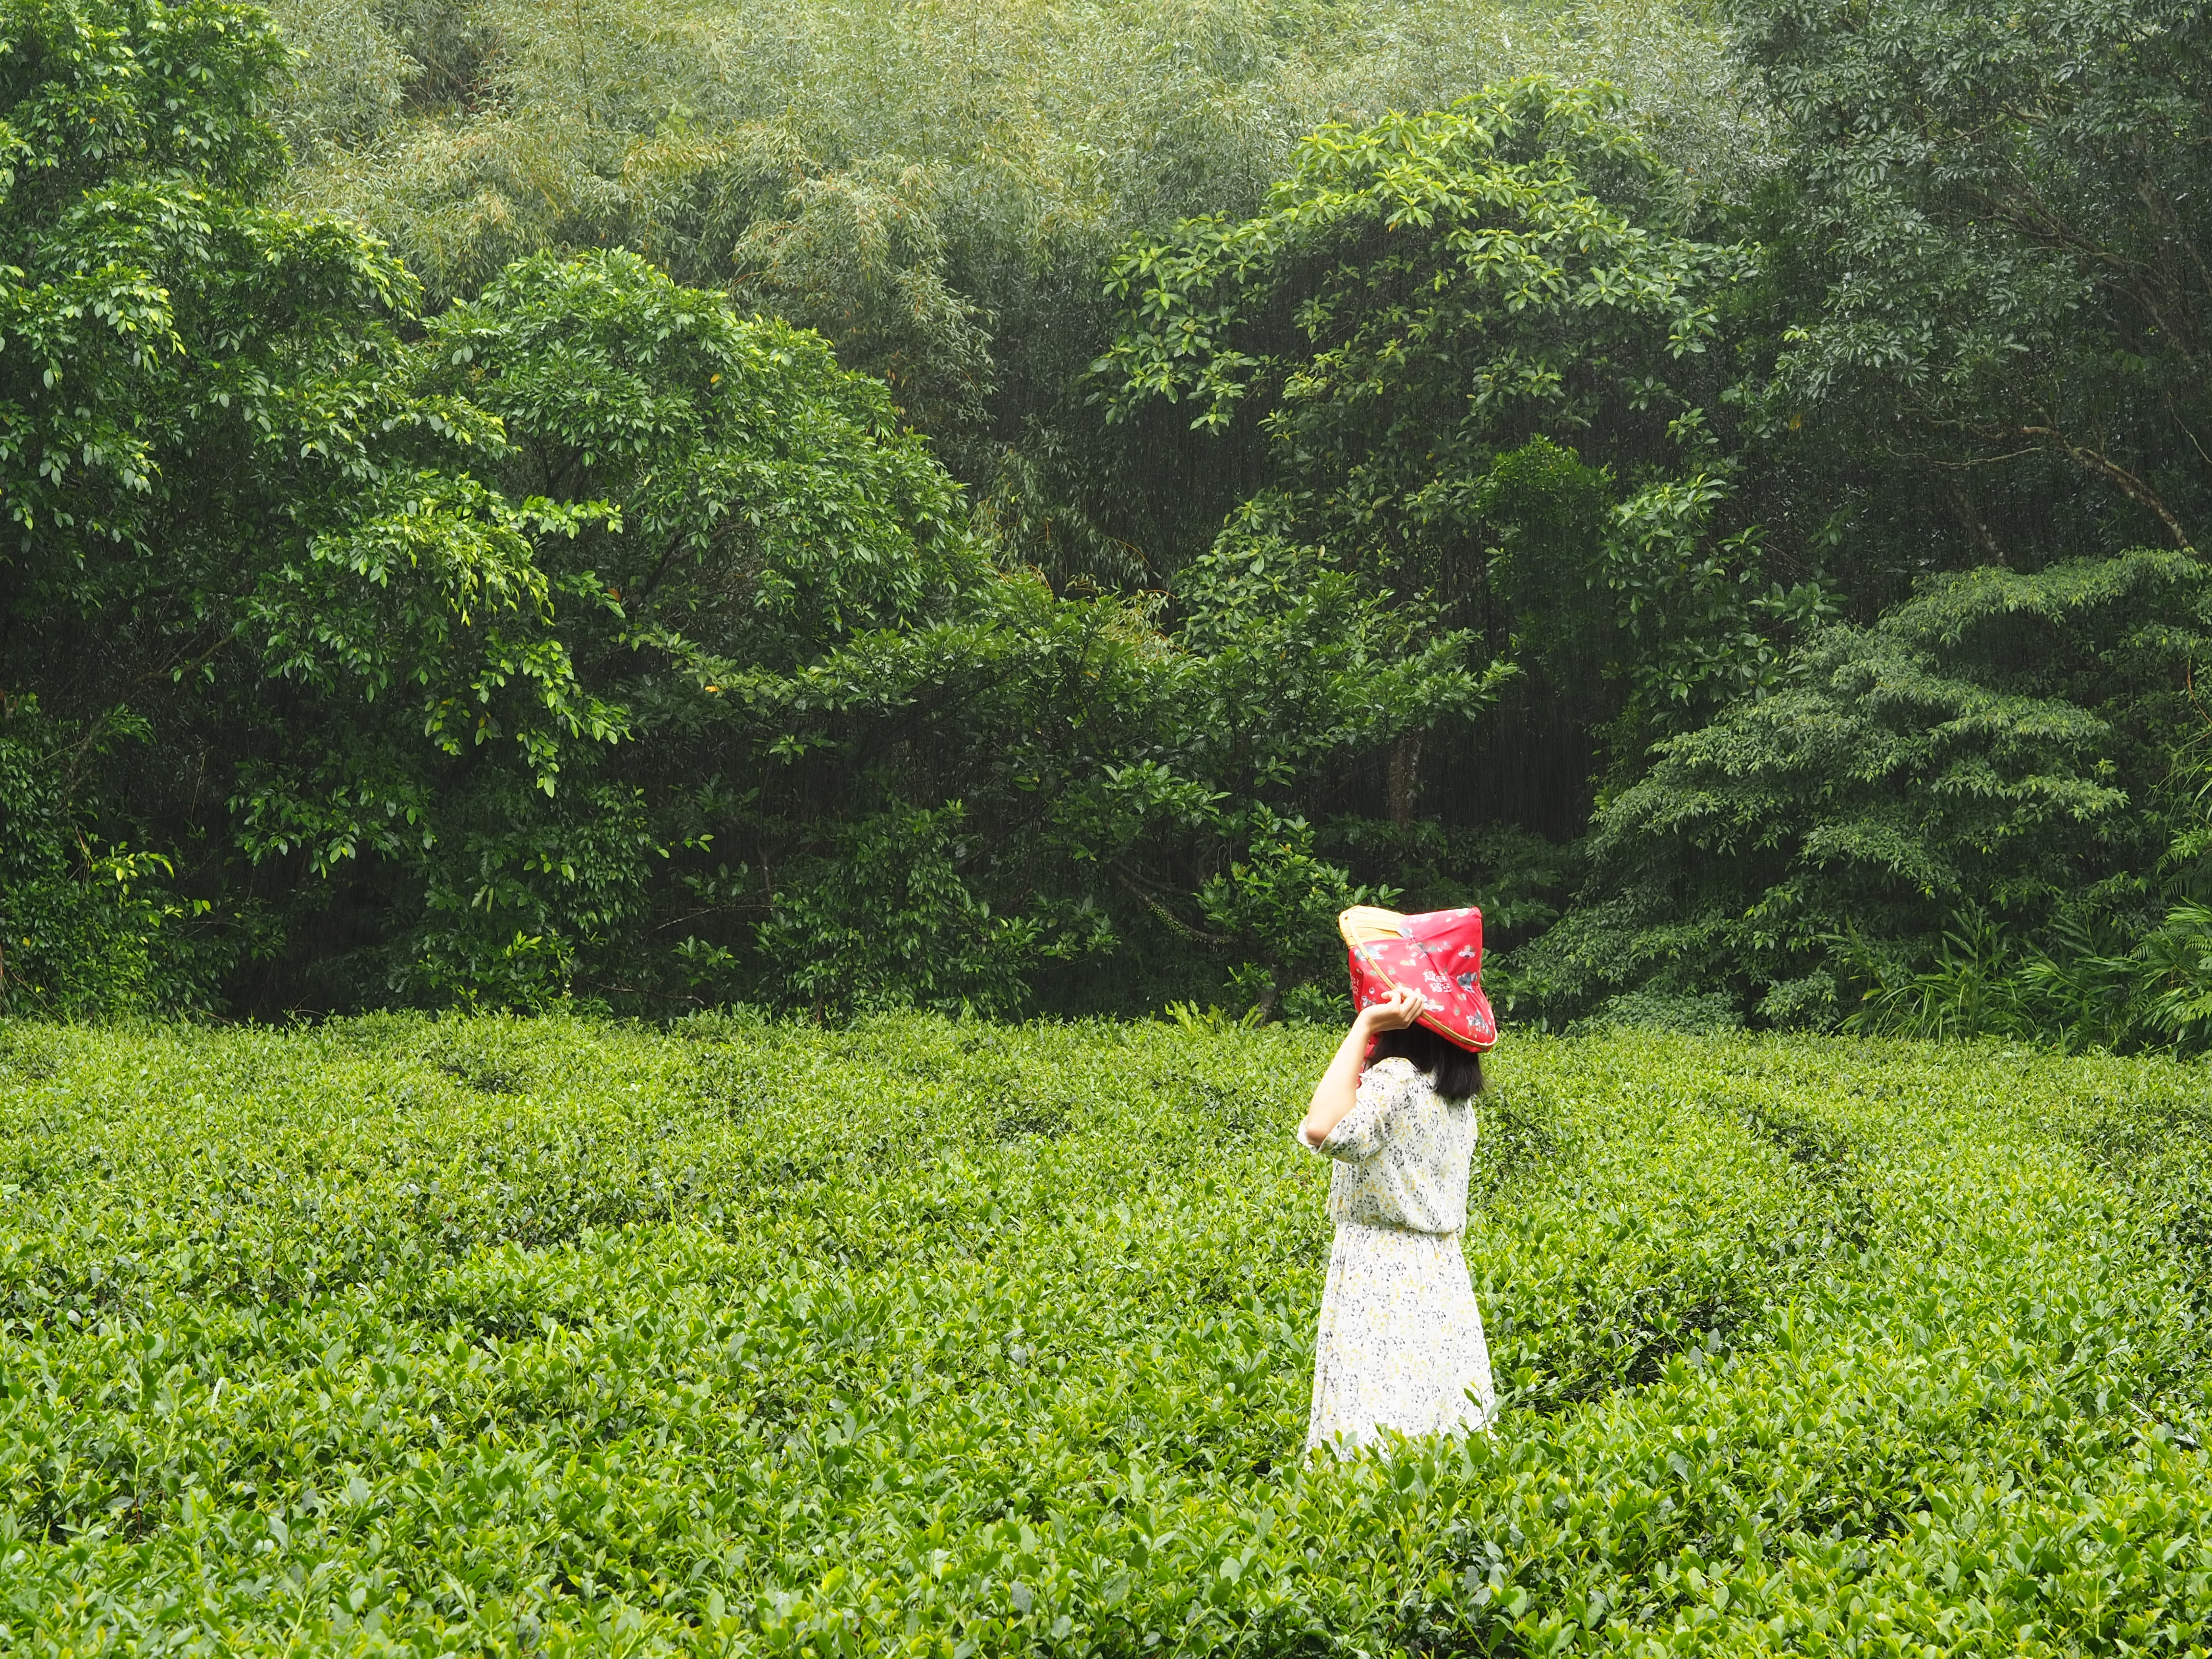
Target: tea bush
column 930, row 1338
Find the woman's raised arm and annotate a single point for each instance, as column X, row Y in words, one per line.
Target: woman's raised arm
column 1340, row 1085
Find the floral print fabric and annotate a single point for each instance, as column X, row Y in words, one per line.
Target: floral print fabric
column 1402, row 1153
column 1401, row 1344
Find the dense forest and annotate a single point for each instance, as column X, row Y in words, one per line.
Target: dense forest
column 1030, row 507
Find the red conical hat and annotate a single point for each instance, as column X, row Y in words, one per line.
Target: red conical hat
column 1437, row 953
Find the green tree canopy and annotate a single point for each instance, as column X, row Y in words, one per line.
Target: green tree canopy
column 1996, row 218
column 231, row 517
column 2003, row 743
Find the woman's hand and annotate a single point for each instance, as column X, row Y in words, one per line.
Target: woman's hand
column 1340, row 1086
column 1394, row 1012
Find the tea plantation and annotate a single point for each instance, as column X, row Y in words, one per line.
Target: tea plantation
column 411, row 1336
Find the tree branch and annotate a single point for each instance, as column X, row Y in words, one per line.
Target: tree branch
column 1165, row 914
column 2134, row 488
column 1962, row 508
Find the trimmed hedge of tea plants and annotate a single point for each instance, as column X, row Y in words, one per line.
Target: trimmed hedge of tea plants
column 922, row 1338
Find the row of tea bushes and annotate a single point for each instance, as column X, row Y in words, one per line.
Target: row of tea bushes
column 939, row 1339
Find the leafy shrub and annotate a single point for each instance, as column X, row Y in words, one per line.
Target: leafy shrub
column 1711, row 1011
column 87, row 928
column 2004, row 740
column 886, row 919
column 493, row 1335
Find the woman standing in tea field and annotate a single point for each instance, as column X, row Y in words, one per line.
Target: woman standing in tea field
column 1400, row 1344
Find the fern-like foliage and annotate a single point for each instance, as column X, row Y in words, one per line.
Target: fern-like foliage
column 1937, row 824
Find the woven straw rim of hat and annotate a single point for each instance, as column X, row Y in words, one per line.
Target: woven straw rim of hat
column 1363, row 924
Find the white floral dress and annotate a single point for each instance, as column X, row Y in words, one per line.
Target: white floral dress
column 1400, row 1344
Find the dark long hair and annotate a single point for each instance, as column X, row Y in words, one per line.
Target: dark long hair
column 1456, row 1072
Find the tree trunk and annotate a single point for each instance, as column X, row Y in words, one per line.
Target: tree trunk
column 1971, row 521
column 1405, row 778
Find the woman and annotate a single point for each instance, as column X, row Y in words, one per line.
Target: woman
column 1401, row 1344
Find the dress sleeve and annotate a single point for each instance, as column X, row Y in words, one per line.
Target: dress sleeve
column 1362, row 1132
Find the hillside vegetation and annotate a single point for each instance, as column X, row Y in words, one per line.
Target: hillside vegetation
column 936, row 1338
column 1019, row 508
